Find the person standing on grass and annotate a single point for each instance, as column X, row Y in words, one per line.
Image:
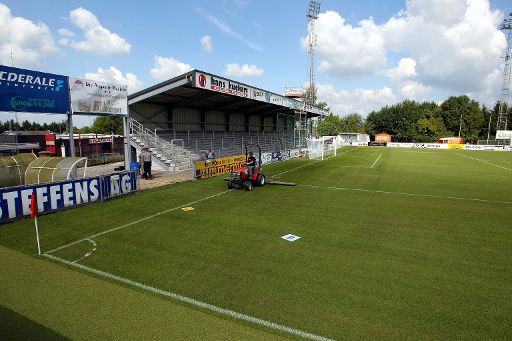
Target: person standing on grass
column 146, row 160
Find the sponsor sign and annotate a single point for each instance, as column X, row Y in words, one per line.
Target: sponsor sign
column 98, row 98
column 266, row 158
column 276, row 156
column 455, row 146
column 504, row 134
column 32, row 91
column 205, row 170
column 114, row 185
column 430, row 145
column 294, row 153
column 260, row 95
column 56, row 196
column 507, row 148
column 217, row 84
column 276, row 99
column 100, row 140
column 481, row 147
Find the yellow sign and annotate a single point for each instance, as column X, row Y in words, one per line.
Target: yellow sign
column 186, row 209
column 210, row 168
column 455, row 146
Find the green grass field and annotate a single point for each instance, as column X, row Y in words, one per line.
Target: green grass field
column 395, row 243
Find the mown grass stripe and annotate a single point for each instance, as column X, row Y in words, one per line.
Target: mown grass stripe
column 194, row 302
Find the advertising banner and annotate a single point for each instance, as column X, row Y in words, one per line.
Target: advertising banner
column 266, row 158
column 217, row 84
column 98, row 98
column 503, row 134
column 114, row 185
column 56, row 196
column 260, row 95
column 294, row 153
column 31, row 91
column 455, row 146
column 276, row 99
column 210, row 168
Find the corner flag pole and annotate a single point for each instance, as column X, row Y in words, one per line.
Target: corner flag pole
column 33, row 215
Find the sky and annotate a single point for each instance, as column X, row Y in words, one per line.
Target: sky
column 369, row 54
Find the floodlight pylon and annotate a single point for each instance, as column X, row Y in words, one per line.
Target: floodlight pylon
column 506, row 27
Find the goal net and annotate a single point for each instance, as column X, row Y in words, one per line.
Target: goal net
column 323, row 147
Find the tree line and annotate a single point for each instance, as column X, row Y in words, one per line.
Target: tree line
column 411, row 121
column 100, row 125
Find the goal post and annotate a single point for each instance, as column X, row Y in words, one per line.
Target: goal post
column 323, row 147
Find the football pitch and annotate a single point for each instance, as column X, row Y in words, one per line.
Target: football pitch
column 395, row 243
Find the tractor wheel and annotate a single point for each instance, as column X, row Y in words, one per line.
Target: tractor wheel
column 261, row 180
column 248, row 185
column 231, row 185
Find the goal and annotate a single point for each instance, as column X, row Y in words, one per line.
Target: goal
column 323, row 147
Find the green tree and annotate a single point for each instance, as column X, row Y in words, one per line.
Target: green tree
column 329, row 126
column 352, row 123
column 108, row 125
column 460, row 112
column 430, row 129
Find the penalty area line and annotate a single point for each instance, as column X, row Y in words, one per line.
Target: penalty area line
column 135, row 222
column 484, row 161
column 200, row 304
column 376, row 161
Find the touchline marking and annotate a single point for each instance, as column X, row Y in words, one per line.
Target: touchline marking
column 376, row 160
column 135, row 222
column 483, row 161
column 192, row 301
column 88, row 253
column 407, row 194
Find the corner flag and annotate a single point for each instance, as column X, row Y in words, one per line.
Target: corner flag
column 33, row 215
column 33, row 206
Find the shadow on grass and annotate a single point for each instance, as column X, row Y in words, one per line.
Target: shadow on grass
column 14, row 326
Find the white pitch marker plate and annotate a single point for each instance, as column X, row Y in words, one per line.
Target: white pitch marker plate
column 290, row 237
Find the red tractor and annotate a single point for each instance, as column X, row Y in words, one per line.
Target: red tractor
column 240, row 177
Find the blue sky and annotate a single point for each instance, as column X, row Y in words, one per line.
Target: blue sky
column 369, row 53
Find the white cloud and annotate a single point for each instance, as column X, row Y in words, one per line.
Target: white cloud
column 414, row 90
column 206, row 43
column 114, row 75
column 243, row 70
column 347, row 51
column 452, row 46
column 406, row 68
column 97, row 39
column 455, row 43
column 166, row 68
column 361, row 101
column 28, row 42
column 64, row 32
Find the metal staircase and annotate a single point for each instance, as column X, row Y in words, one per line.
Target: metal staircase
column 169, row 155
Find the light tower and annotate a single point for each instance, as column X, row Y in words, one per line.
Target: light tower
column 506, row 27
column 312, row 15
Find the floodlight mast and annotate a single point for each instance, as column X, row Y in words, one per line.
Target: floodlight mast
column 506, row 27
column 312, row 15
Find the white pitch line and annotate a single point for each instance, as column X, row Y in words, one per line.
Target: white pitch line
column 219, row 310
column 483, row 161
column 88, row 253
column 406, row 194
column 135, row 222
column 376, row 160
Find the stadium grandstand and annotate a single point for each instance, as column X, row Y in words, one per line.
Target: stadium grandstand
column 197, row 111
